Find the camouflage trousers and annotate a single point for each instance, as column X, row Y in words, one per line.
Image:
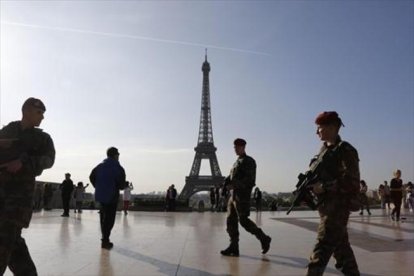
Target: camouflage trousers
column 13, row 250
column 239, row 211
column 333, row 240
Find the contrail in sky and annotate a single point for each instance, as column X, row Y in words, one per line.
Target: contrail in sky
column 186, row 43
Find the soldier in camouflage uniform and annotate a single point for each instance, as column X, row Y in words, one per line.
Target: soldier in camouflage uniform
column 337, row 188
column 240, row 182
column 25, row 151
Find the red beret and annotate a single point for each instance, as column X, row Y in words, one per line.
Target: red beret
column 327, row 118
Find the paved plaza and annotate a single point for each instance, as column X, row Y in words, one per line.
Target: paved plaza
column 159, row 243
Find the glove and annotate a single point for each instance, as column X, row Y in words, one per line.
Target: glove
column 318, row 188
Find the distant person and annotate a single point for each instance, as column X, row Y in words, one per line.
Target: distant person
column 240, row 182
column 363, row 197
column 108, row 178
column 273, row 205
column 396, row 195
column 257, row 196
column 127, row 197
column 171, row 197
column 381, row 195
column 410, row 196
column 387, row 193
column 167, row 199
column 337, row 186
column 79, row 194
column 225, row 194
column 25, row 151
column 212, row 198
column 404, row 203
column 218, row 197
column 201, row 206
column 66, row 189
column 47, row 196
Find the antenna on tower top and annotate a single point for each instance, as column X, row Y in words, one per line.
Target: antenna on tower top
column 206, row 54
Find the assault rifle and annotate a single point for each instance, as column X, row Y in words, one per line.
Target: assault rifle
column 303, row 192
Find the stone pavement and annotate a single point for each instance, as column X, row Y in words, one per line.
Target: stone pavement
column 159, row 243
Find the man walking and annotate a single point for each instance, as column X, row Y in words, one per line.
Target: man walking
column 66, row 189
column 170, row 198
column 47, row 196
column 108, row 178
column 25, row 151
column 240, row 182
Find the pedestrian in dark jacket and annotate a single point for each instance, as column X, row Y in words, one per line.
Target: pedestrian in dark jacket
column 108, row 178
column 170, row 198
column 66, row 189
column 396, row 195
column 47, row 196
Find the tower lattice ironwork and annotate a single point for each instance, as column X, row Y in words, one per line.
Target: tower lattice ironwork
column 205, row 148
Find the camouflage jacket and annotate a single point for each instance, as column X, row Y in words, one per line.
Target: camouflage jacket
column 36, row 151
column 243, row 177
column 341, row 176
column 33, row 146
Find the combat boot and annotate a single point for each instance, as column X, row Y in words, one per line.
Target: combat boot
column 232, row 250
column 265, row 241
column 315, row 271
column 350, row 269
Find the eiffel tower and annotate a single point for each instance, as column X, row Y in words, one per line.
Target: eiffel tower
column 205, row 148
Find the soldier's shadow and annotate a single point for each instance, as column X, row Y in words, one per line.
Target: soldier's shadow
column 163, row 267
column 296, row 262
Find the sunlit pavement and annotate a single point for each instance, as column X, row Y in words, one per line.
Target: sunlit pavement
column 158, row 243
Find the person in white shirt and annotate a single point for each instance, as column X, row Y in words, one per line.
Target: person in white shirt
column 127, row 197
column 79, row 193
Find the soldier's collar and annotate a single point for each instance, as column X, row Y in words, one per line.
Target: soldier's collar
column 337, row 142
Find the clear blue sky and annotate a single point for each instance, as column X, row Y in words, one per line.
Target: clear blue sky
column 128, row 74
